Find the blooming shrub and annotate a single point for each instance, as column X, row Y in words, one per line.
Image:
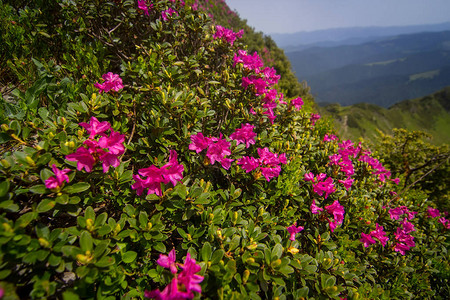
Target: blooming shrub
column 104, row 184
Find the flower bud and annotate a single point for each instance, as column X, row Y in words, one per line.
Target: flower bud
column 44, row 243
column 5, row 127
column 149, row 225
column 5, row 163
column 276, row 263
column 293, row 250
column 30, row 161
column 260, row 211
column 250, row 260
column 63, row 121
column 245, row 276
column 82, row 259
column 234, row 217
column 90, row 224
column 252, row 246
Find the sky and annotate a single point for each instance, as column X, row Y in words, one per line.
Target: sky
column 289, row 16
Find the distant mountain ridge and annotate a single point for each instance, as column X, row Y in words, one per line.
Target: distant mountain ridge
column 430, row 114
column 348, row 36
column 381, row 72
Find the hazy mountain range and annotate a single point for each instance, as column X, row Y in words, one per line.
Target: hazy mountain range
column 347, row 36
column 383, row 71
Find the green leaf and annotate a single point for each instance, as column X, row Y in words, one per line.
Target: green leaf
column 203, row 199
column 160, row 247
column 129, row 256
column 217, row 256
column 86, row 242
column 77, row 187
column 4, row 188
column 38, row 189
column 68, row 295
column 277, row 251
column 26, row 219
column 105, row 261
column 45, row 205
column 206, row 251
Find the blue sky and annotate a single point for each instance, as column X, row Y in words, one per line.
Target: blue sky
column 287, row 16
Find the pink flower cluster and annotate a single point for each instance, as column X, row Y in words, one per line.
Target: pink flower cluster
column 227, row 34
column 314, row 118
column 153, row 176
column 435, row 213
column 378, row 169
column 396, row 213
column 57, row 181
column 142, row 4
column 244, row 135
column 268, row 162
column 217, row 148
column 106, row 149
column 112, row 82
column 184, row 284
column 293, row 230
column 297, row 103
column 378, row 233
column 405, row 241
column 320, row 184
column 329, row 138
column 250, row 62
column 335, row 209
column 165, row 14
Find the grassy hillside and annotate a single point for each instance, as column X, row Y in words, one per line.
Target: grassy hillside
column 430, row 114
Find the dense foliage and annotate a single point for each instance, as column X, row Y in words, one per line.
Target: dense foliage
column 145, row 154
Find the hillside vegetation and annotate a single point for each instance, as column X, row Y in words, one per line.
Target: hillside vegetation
column 430, row 114
column 381, row 72
column 147, row 153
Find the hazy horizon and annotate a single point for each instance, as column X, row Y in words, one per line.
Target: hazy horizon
column 291, row 16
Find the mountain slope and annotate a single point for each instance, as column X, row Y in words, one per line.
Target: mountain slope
column 430, row 114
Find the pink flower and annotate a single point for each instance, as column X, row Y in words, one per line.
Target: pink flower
column 142, row 4
column 199, row 142
column 309, row 177
column 297, row 103
column 367, row 239
column 217, row 152
column 113, row 142
column 433, row 212
column 396, row 180
column 293, row 230
column 173, row 171
column 337, row 210
column 168, row 262
column 314, row 208
column 108, row 159
column 347, row 182
column 244, row 135
column 171, row 292
column 188, row 276
column 248, row 163
column 169, row 12
column 112, row 82
column 329, row 138
column 395, row 213
column 445, row 222
column 83, row 158
column 95, row 127
column 270, row 172
column 314, row 118
column 379, row 234
column 402, row 248
column 326, row 187
column 407, row 226
column 227, row 34
column 57, row 181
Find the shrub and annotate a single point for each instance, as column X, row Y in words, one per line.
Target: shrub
column 186, row 152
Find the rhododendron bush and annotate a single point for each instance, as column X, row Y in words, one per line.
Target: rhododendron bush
column 151, row 154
